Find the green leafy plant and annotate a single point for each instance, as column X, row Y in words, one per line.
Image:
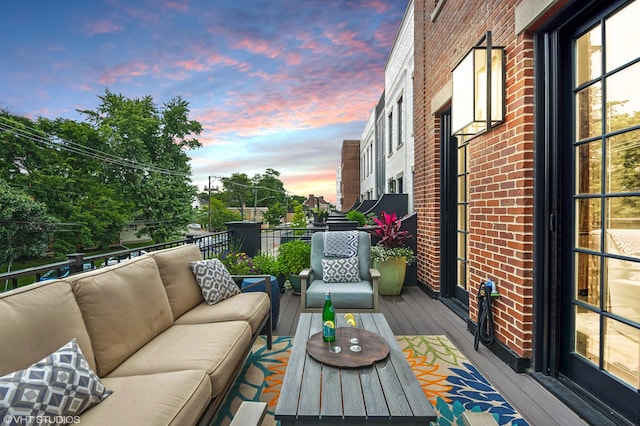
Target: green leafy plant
column 298, row 220
column 266, row 263
column 357, row 216
column 294, row 256
column 392, row 239
column 239, row 264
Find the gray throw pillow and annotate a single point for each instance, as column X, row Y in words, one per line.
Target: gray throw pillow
column 214, row 280
column 340, row 270
column 60, row 386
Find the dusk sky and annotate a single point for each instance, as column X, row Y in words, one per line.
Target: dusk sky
column 275, row 83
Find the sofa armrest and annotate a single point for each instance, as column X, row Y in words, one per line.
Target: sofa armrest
column 266, row 280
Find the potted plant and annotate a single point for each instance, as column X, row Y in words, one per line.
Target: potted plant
column 390, row 256
column 294, row 256
column 268, row 263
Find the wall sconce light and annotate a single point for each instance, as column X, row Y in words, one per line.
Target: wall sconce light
column 478, row 90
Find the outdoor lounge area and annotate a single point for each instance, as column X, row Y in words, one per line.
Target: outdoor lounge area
column 414, row 313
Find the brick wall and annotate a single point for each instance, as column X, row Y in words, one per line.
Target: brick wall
column 350, row 182
column 500, row 161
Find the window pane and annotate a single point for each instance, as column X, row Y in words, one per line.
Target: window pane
column 588, row 279
column 462, row 217
column 589, row 168
column 587, row 334
column 589, row 112
column 589, row 56
column 462, row 245
column 462, row 274
column 622, row 101
column 589, row 224
column 623, row 162
column 623, row 288
column 623, row 214
column 622, row 351
column 623, row 33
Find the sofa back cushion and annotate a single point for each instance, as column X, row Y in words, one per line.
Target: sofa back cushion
column 37, row 320
column 182, row 288
column 124, row 306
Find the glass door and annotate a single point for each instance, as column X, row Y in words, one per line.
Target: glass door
column 454, row 205
column 603, row 342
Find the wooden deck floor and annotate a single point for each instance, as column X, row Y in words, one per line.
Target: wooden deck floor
column 414, row 313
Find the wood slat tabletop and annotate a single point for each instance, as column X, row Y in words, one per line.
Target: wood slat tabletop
column 386, row 391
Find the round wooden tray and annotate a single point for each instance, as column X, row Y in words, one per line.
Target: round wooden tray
column 374, row 348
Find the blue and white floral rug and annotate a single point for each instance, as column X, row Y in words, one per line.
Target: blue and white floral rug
column 448, row 379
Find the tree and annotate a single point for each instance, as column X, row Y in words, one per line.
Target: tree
column 274, row 214
column 239, row 189
column 25, row 226
column 156, row 177
column 220, row 215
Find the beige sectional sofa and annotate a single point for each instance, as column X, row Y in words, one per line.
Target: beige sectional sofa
column 143, row 326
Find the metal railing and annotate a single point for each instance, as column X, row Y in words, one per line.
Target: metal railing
column 210, row 245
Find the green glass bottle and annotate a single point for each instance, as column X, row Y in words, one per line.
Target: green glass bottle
column 328, row 319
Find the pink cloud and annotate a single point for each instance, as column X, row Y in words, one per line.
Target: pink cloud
column 103, row 26
column 176, row 5
column 124, row 72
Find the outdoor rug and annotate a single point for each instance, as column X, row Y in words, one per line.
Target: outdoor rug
column 448, row 379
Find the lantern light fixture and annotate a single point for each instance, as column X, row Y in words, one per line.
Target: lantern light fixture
column 478, row 90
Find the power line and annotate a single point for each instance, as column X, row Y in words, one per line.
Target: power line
column 59, row 143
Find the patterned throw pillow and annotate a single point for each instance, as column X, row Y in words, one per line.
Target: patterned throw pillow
column 340, row 270
column 62, row 385
column 214, row 280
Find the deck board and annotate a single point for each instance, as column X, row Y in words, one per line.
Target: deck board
column 414, row 313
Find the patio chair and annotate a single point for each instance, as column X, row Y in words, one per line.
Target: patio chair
column 341, row 264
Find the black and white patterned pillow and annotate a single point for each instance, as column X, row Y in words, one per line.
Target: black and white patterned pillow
column 340, row 270
column 214, row 280
column 61, row 384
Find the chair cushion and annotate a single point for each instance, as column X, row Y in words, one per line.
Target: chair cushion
column 341, row 270
column 364, row 253
column 61, row 384
column 214, row 280
column 343, row 295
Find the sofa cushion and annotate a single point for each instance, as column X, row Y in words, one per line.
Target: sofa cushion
column 180, row 284
column 218, row 348
column 251, row 307
column 214, row 280
column 341, row 270
column 124, row 306
column 61, row 384
column 37, row 320
column 175, row 398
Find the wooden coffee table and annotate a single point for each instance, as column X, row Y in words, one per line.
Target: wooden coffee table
column 387, row 391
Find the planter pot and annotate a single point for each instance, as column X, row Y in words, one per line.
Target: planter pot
column 296, row 283
column 392, row 272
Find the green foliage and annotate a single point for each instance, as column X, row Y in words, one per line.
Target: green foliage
column 239, row 191
column 25, row 226
column 294, row 256
column 298, row 220
column 220, row 215
column 357, row 216
column 266, row 263
column 274, row 214
column 239, row 264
